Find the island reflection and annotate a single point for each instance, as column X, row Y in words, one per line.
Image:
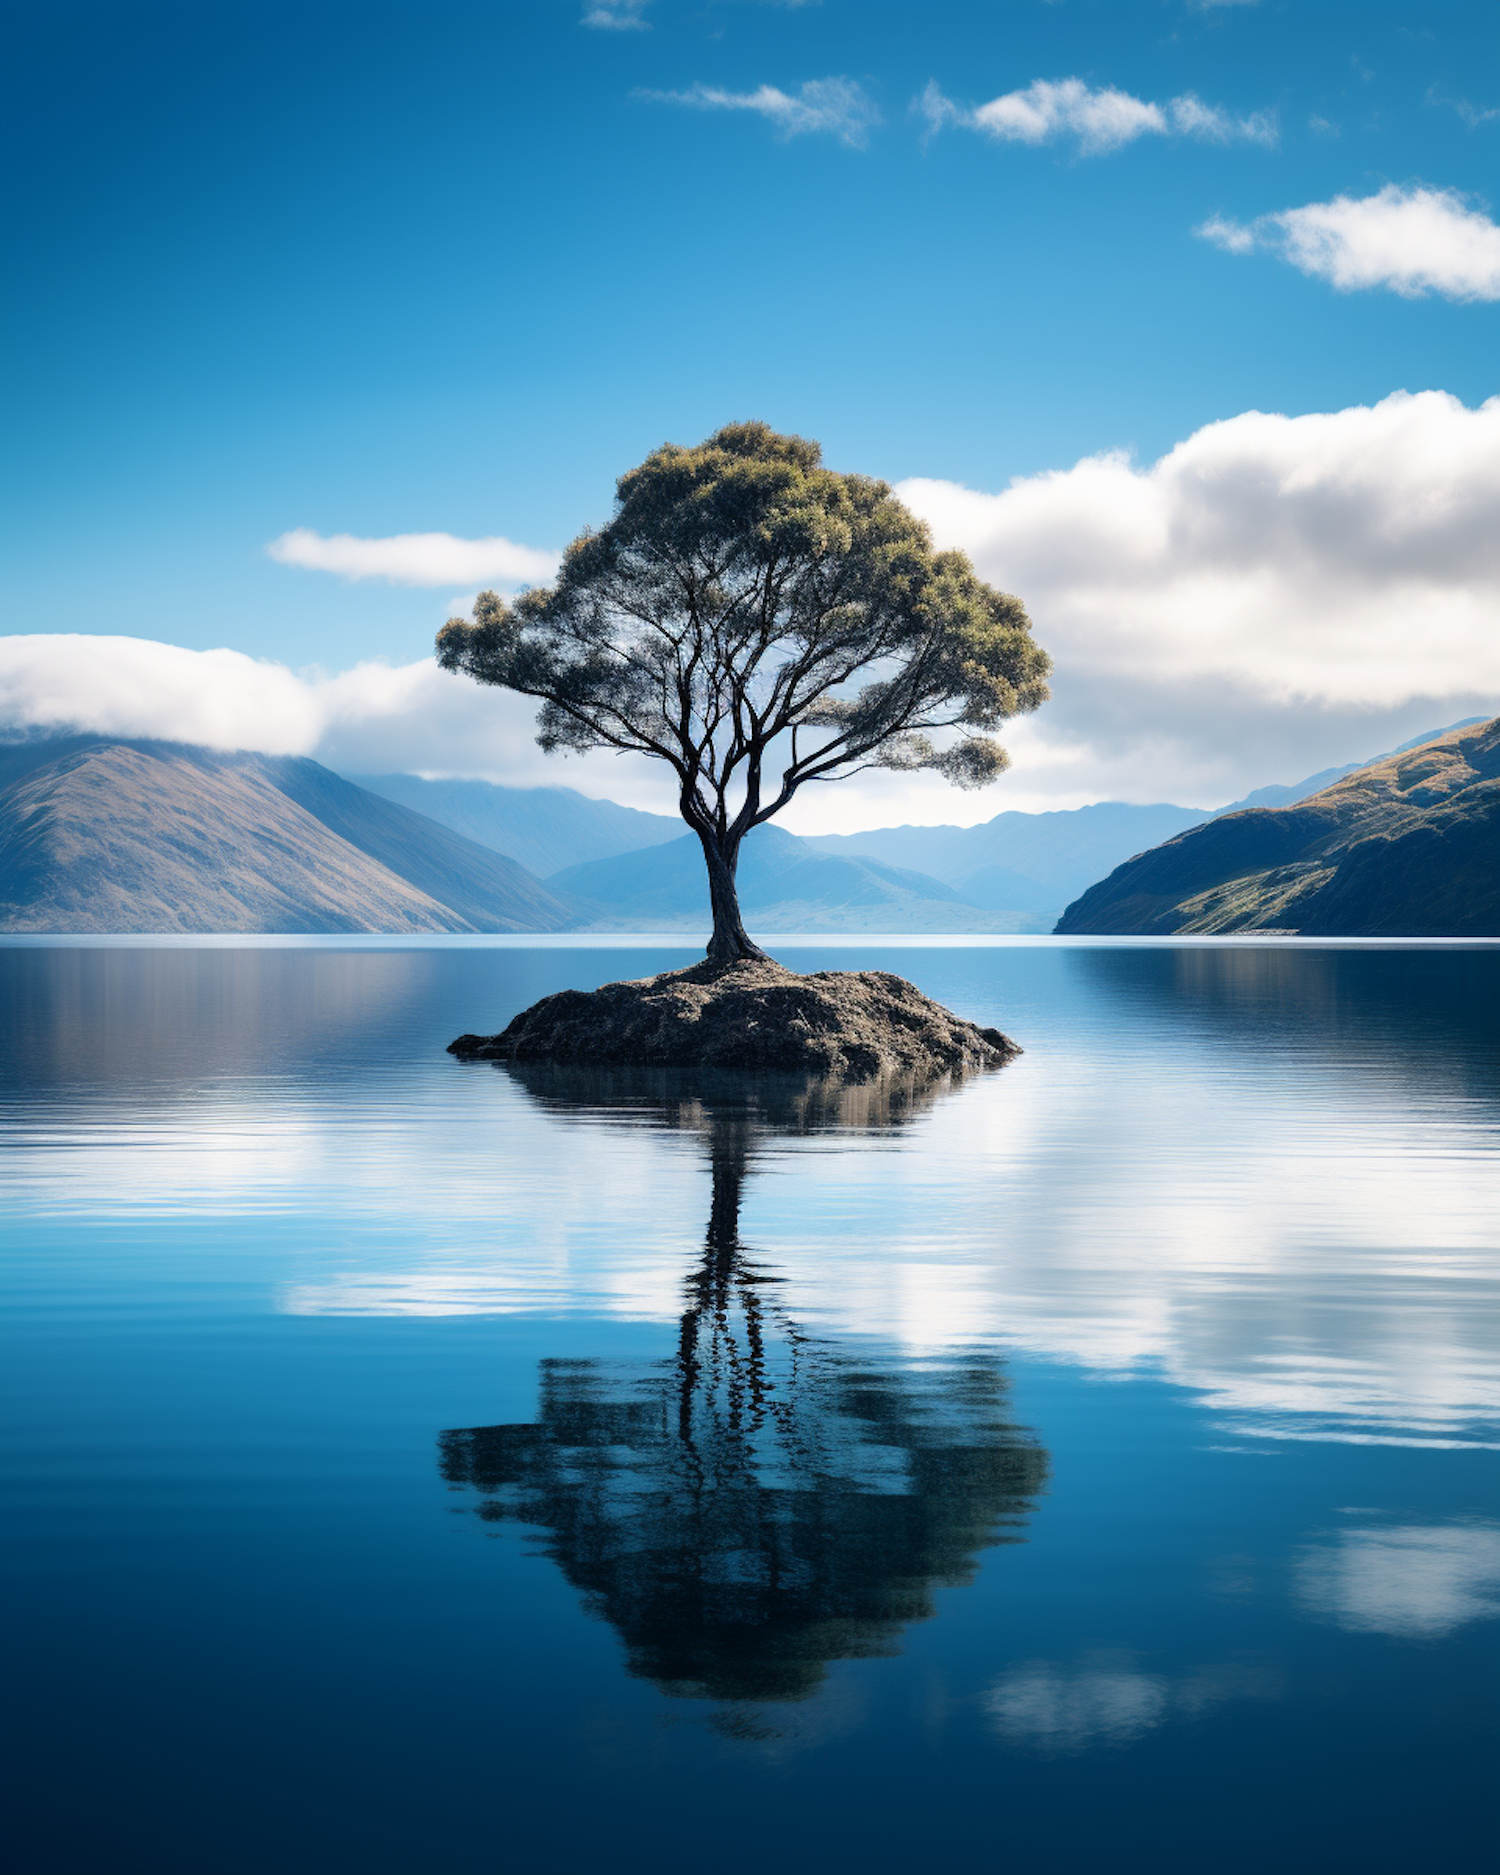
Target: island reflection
column 765, row 1501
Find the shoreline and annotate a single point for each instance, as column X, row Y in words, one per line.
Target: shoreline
column 693, row 944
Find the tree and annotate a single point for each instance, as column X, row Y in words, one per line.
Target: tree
column 759, row 622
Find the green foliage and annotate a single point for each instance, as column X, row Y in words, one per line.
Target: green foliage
column 744, row 596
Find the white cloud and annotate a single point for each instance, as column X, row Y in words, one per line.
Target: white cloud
column 1210, row 123
column 1233, row 236
column 839, row 107
column 1100, row 120
column 1415, row 241
column 419, row 719
column 1418, row 1581
column 1274, row 595
column 1097, row 119
column 415, row 559
column 374, row 717
column 617, row 15
column 57, row 682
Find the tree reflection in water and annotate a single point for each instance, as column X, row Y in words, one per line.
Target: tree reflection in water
column 766, row 1501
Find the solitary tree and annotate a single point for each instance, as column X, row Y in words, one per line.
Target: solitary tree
column 758, row 622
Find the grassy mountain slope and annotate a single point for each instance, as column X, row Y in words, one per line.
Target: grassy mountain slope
column 112, row 839
column 544, row 829
column 1285, row 794
column 1407, row 847
column 490, row 890
column 785, row 884
column 1038, row 863
column 103, row 836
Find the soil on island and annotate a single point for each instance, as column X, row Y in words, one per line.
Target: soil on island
column 844, row 1024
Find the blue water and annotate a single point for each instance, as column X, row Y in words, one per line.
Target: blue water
column 409, row 1465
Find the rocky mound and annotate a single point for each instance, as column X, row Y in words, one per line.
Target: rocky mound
column 842, row 1024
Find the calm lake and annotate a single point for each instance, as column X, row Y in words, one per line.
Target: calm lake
column 420, row 1466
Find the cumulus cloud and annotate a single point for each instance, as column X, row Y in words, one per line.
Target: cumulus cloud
column 414, row 559
column 1233, row 236
column 838, row 107
column 1274, row 595
column 60, row 682
column 375, row 717
column 1418, row 1581
column 1414, row 241
column 1096, row 119
column 418, row 719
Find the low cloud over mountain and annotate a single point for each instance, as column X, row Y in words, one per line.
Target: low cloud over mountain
column 1274, row 595
column 1274, row 592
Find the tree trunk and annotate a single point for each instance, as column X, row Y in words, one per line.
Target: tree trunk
column 730, row 942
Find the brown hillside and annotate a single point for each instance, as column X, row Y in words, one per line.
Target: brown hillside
column 110, row 838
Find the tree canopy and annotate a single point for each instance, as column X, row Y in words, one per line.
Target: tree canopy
column 759, row 622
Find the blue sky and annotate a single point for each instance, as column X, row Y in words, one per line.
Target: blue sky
column 378, row 269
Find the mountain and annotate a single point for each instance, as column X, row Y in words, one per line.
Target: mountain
column 1036, row 864
column 1280, row 794
column 1405, row 847
column 102, row 835
column 487, row 889
column 1024, row 863
column 785, row 884
column 544, row 828
column 99, row 834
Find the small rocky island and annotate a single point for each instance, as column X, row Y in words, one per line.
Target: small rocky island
column 757, row 622
column 750, row 1014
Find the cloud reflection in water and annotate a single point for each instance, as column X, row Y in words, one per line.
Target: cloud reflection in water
column 1414, row 1581
column 1108, row 1701
column 1266, row 1175
column 766, row 1501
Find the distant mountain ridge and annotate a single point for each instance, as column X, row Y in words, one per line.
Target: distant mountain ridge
column 1039, row 863
column 1023, row 867
column 1024, row 862
column 1280, row 795
column 785, row 884
column 1405, row 847
column 98, row 834
column 107, row 835
column 544, row 829
column 116, row 834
